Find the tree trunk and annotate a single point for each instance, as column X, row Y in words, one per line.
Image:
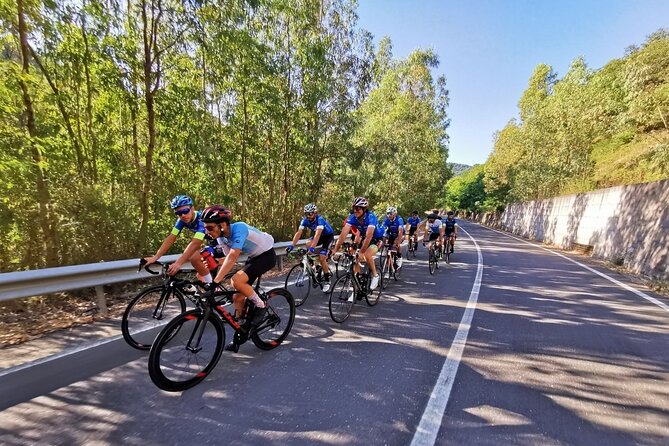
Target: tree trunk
column 45, row 218
column 92, row 140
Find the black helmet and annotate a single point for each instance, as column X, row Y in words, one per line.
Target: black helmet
column 216, row 214
column 415, row 212
column 432, row 216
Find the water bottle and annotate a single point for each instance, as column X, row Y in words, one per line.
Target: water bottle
column 207, row 255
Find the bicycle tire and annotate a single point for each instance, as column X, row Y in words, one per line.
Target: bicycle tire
column 278, row 320
column 172, row 366
column 298, row 284
column 340, row 305
column 432, row 262
column 384, row 268
column 138, row 321
column 342, row 266
column 372, row 296
column 398, row 273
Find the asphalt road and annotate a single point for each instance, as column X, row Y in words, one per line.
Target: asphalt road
column 554, row 354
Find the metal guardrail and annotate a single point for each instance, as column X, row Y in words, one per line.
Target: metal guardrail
column 65, row 278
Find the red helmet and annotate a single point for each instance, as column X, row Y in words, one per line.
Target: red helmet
column 216, row 214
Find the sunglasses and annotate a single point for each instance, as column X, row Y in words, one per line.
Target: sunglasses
column 182, row 212
column 309, row 214
column 389, row 214
column 358, row 208
column 210, row 228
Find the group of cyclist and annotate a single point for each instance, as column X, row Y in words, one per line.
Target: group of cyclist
column 226, row 241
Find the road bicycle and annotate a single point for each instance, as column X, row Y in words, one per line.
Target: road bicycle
column 186, row 351
column 156, row 305
column 352, row 286
column 304, row 276
column 413, row 246
column 435, row 253
column 388, row 260
column 450, row 242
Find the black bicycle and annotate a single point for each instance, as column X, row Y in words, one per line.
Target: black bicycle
column 156, row 305
column 190, row 345
column 304, row 276
column 450, row 241
column 435, row 253
column 389, row 265
column 413, row 246
column 351, row 286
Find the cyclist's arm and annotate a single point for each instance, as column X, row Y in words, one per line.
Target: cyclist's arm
column 342, row 236
column 228, row 264
column 167, row 244
column 455, row 229
column 368, row 239
column 316, row 237
column 297, row 237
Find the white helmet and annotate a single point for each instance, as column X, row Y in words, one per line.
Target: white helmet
column 310, row 208
column 392, row 210
column 360, row 202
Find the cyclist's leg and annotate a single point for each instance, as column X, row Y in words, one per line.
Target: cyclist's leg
column 200, row 267
column 254, row 268
column 369, row 255
column 324, row 246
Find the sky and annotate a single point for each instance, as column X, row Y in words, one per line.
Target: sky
column 489, row 48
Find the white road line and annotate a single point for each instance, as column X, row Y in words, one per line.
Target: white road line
column 641, row 294
column 430, row 423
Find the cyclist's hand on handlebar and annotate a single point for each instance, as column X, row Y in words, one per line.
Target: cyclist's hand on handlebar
column 311, row 250
column 289, row 249
column 173, row 269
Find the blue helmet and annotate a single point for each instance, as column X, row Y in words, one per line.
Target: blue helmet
column 181, row 200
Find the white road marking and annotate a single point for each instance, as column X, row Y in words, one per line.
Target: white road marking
column 430, row 423
column 641, row 294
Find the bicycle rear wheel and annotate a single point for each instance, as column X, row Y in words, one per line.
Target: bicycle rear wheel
column 447, row 254
column 149, row 310
column 298, row 284
column 278, row 320
column 342, row 298
column 179, row 360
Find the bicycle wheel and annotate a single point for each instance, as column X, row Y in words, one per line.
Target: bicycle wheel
column 384, row 268
column 149, row 310
column 398, row 273
column 448, row 252
column 278, row 320
column 372, row 296
column 342, row 298
column 342, row 266
column 174, row 365
column 432, row 262
column 298, row 284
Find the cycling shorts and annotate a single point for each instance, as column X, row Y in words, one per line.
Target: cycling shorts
column 259, row 265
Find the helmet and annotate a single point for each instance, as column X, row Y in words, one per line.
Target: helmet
column 415, row 212
column 310, row 208
column 432, row 216
column 181, row 200
column 216, row 214
column 360, row 202
column 392, row 210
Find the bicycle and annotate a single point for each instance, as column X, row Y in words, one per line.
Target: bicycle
column 434, row 255
column 189, row 347
column 450, row 242
column 351, row 286
column 413, row 246
column 388, row 260
column 305, row 275
column 155, row 305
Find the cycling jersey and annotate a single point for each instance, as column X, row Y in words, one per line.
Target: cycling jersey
column 197, row 226
column 434, row 226
column 413, row 221
column 249, row 240
column 367, row 219
column 318, row 223
column 393, row 227
column 450, row 225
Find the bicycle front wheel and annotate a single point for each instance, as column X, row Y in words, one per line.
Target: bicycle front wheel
column 185, row 352
column 298, row 284
column 342, row 266
column 372, row 296
column 342, row 298
column 432, row 262
column 149, row 310
column 278, row 320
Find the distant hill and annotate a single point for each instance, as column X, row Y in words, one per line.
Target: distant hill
column 459, row 169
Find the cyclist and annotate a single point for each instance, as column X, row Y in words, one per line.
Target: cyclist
column 187, row 217
column 412, row 226
column 236, row 239
column 366, row 223
column 322, row 234
column 451, row 228
column 394, row 225
column 435, row 229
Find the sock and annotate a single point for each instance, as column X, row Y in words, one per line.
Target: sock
column 256, row 301
column 207, row 278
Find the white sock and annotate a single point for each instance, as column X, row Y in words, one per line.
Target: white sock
column 207, row 278
column 256, row 301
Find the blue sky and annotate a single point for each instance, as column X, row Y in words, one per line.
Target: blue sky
column 489, row 48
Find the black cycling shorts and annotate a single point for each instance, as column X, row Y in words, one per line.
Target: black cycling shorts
column 412, row 230
column 324, row 242
column 434, row 236
column 259, row 265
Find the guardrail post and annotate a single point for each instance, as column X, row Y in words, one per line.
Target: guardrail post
column 101, row 301
column 279, row 262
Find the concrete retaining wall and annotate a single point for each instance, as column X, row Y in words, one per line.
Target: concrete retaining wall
column 628, row 225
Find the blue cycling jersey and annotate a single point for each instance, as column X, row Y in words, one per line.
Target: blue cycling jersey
column 249, row 240
column 450, row 225
column 393, row 226
column 196, row 225
column 318, row 223
column 367, row 219
column 413, row 221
